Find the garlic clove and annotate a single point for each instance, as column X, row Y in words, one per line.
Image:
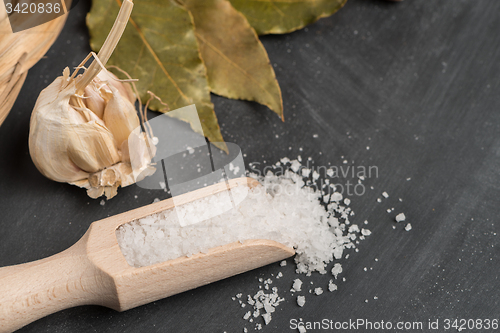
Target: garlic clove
column 120, row 116
column 91, row 146
column 94, row 101
column 49, row 121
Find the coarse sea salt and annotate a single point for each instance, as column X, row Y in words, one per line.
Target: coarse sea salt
column 287, row 208
column 400, row 217
column 283, row 210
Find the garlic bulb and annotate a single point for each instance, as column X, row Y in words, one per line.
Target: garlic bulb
column 85, row 131
column 70, row 142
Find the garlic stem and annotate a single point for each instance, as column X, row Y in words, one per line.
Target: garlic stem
column 108, row 47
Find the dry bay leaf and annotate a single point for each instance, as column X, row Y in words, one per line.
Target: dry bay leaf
column 159, row 47
column 282, row 16
column 237, row 63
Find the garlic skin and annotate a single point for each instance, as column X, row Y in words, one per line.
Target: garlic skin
column 84, row 140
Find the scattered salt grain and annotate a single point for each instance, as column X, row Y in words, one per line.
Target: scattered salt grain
column 318, row 291
column 385, row 195
column 301, row 300
column 315, row 136
column 297, row 285
column 283, row 263
column 302, row 329
column 102, row 203
column 400, row 217
column 408, row 227
column 347, row 201
column 332, row 286
column 379, row 200
column 365, row 232
column 336, row 270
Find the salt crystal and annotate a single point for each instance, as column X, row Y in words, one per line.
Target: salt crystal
column 366, row 232
column 408, row 227
column 336, row 196
column 102, row 203
column 336, row 270
column 283, row 263
column 400, row 217
column 297, row 285
column 332, row 286
column 302, row 329
column 318, row 291
column 347, row 201
column 301, row 300
column 267, row 318
column 306, row 172
column 379, row 200
column 353, row 228
column 315, row 136
column 385, row 195
column 247, row 315
column 295, row 166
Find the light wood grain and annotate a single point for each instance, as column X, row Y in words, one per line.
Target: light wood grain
column 94, row 271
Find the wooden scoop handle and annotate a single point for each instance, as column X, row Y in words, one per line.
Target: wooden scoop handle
column 36, row 289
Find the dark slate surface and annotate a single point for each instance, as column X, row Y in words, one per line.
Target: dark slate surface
column 415, row 81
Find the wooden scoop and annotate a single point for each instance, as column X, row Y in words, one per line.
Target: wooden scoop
column 94, row 271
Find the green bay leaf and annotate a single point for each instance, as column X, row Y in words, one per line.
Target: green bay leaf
column 282, row 16
column 159, row 48
column 237, row 64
